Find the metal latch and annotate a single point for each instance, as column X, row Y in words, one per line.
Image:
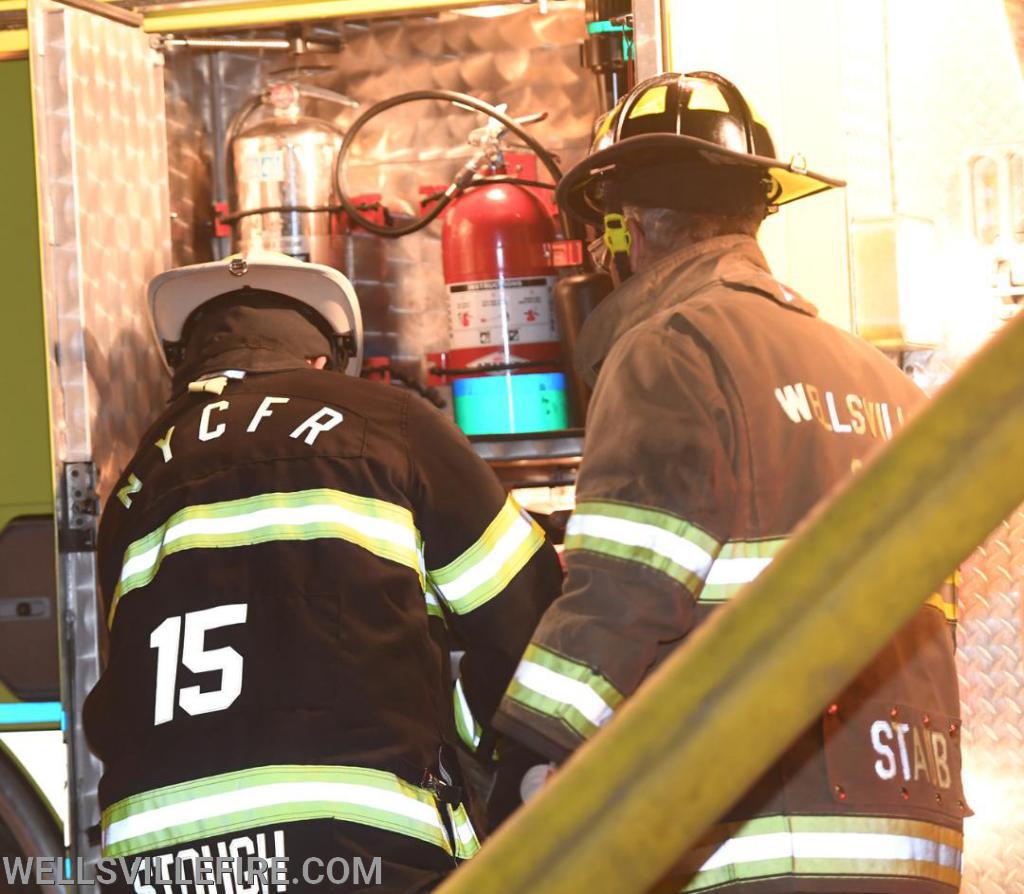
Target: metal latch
column 564, row 253
column 81, row 508
column 25, row 608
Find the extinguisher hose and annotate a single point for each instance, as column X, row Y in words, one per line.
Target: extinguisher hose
column 462, row 179
column 236, row 216
column 487, row 181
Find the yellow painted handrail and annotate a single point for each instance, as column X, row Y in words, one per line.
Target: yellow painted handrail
column 179, row 17
column 728, row 703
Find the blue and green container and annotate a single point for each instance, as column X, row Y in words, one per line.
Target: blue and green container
column 508, row 403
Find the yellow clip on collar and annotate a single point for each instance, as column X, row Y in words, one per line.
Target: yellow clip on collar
column 616, row 234
column 214, row 385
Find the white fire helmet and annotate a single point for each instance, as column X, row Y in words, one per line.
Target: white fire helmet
column 175, row 294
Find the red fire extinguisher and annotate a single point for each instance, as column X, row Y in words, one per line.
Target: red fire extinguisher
column 499, row 280
column 497, row 269
column 497, row 249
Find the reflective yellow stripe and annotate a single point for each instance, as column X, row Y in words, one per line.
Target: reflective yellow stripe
column 383, row 528
column 466, row 842
column 564, row 690
column 433, row 606
column 490, row 564
column 737, row 564
column 651, row 537
column 944, row 599
column 943, row 604
column 854, row 846
column 465, row 723
column 220, row 805
column 651, row 102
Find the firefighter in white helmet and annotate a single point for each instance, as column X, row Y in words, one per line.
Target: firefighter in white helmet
column 278, row 564
column 724, row 410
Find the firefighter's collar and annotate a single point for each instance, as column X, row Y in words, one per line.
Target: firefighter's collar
column 215, row 383
column 734, row 261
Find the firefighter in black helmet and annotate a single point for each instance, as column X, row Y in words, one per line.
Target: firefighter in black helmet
column 689, row 143
column 279, row 563
column 723, row 411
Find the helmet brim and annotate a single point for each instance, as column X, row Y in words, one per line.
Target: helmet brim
column 574, row 193
column 175, row 294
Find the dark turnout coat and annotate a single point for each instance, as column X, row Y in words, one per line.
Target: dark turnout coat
column 724, row 411
column 278, row 564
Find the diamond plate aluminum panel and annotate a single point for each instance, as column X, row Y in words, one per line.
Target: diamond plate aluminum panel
column 990, row 664
column 102, row 146
column 991, row 643
column 98, row 101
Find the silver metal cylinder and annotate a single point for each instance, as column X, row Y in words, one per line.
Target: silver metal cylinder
column 288, row 162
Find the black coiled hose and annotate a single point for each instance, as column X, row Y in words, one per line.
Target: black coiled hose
column 569, row 227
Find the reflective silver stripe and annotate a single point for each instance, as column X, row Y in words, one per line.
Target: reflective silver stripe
column 566, row 691
column 832, row 846
column 561, row 688
column 738, row 563
column 245, row 799
column 433, row 606
column 736, row 571
column 383, row 528
column 466, row 842
column 484, row 570
column 466, row 726
column 672, row 547
column 294, row 517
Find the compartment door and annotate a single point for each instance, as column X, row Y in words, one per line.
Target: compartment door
column 97, row 90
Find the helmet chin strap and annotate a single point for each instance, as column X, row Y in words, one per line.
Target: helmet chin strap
column 343, row 347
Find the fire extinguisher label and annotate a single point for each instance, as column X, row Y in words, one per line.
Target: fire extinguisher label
column 501, row 312
column 266, row 166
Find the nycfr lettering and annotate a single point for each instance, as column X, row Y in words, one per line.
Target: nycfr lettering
column 210, row 428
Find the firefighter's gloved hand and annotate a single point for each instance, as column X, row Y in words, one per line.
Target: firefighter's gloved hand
column 515, row 763
column 535, row 779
